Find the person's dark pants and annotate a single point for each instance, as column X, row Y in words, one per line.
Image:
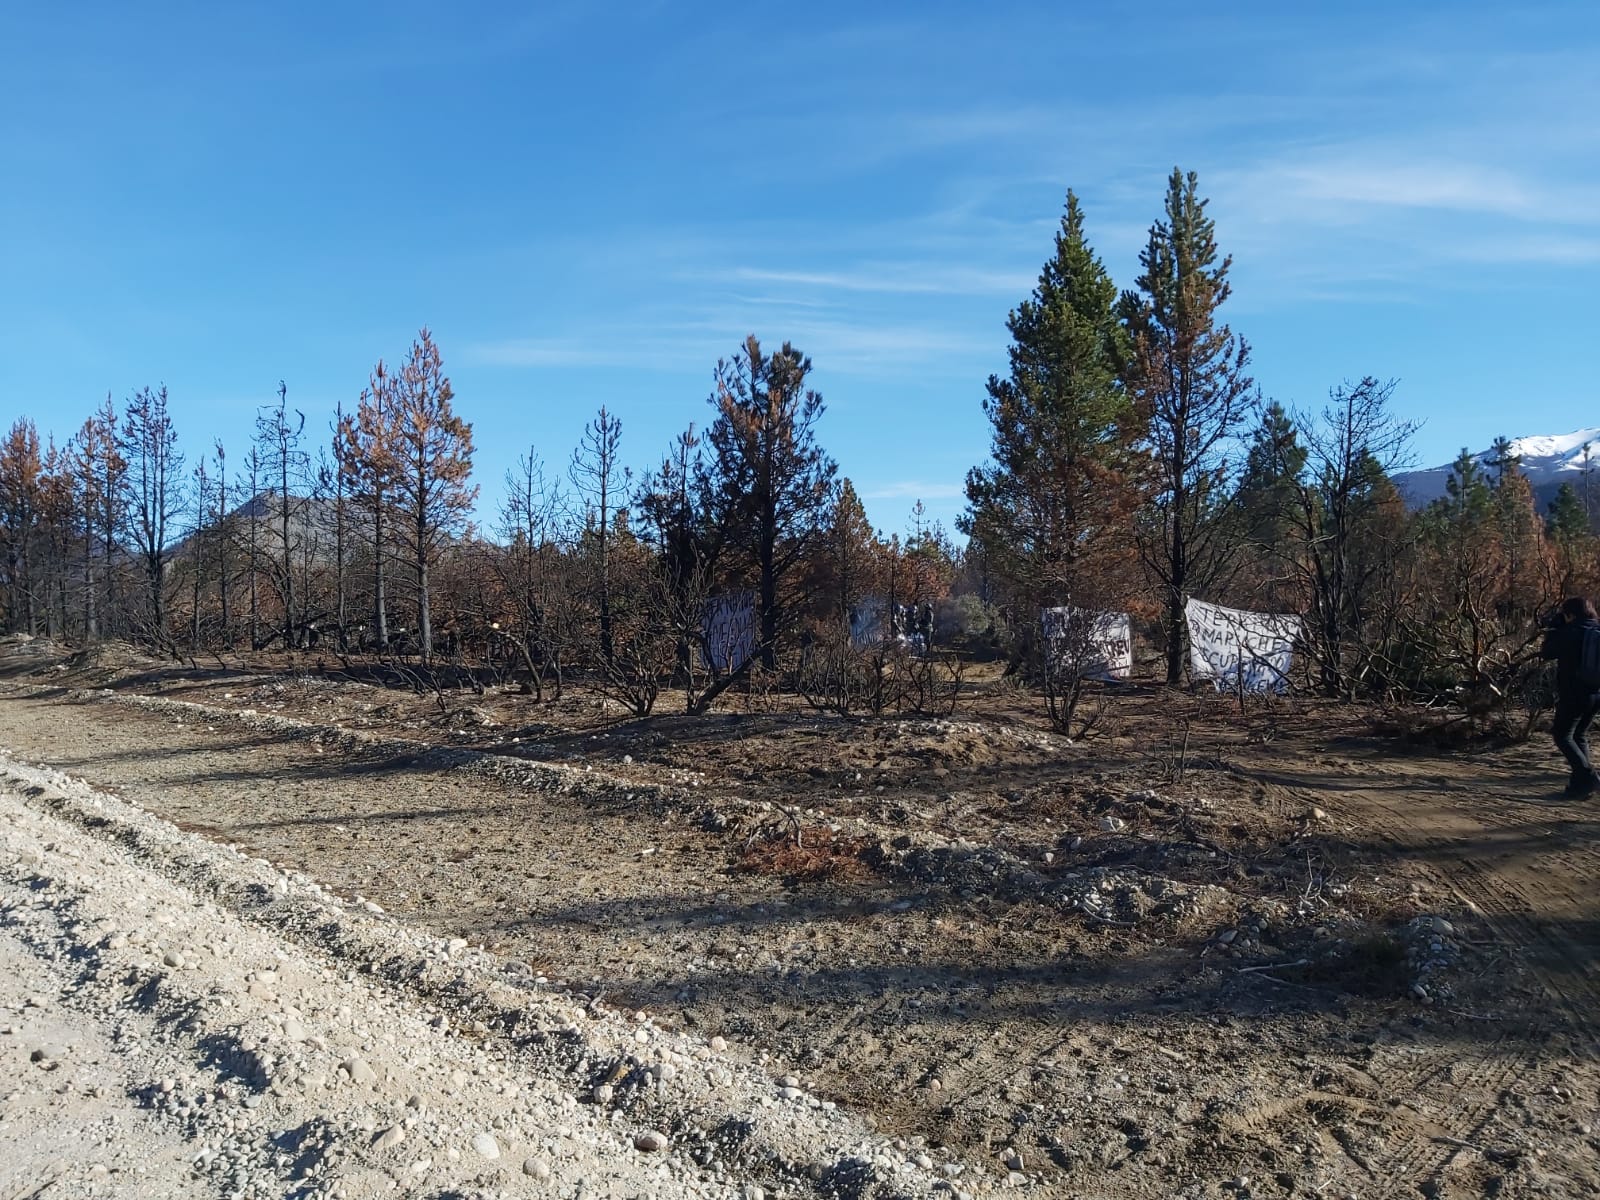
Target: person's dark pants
column 1570, row 728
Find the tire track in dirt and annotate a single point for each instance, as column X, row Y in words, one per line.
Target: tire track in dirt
column 1509, row 907
column 1428, row 1154
column 1464, row 842
column 1428, row 1132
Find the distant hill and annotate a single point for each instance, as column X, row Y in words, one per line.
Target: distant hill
column 312, row 525
column 310, row 518
column 1547, row 460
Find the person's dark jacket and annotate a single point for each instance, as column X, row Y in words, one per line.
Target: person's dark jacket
column 1564, row 643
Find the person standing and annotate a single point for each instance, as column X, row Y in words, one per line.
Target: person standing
column 1572, row 638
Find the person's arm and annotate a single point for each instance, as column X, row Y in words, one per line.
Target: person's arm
column 1552, row 642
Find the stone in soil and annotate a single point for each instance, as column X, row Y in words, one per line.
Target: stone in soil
column 389, row 1138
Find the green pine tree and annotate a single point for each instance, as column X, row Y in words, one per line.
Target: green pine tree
column 766, row 483
column 1188, row 374
column 1468, row 498
column 1050, row 511
column 1568, row 523
column 851, row 552
column 1502, row 460
column 1273, row 465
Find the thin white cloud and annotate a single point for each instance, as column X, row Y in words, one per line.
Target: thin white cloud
column 1388, row 219
column 839, row 345
column 834, row 346
column 1354, row 185
column 1549, row 249
column 873, row 349
column 911, row 489
column 784, row 301
column 1457, row 187
column 601, row 350
column 898, row 278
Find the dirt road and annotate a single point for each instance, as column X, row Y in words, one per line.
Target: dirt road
column 181, row 1020
column 1083, row 1003
column 1523, row 870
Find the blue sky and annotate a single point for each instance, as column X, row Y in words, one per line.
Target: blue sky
column 592, row 204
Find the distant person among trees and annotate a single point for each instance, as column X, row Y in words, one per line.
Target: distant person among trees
column 1572, row 638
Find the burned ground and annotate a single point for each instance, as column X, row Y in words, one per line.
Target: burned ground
column 1203, row 949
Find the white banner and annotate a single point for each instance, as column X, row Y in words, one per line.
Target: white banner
column 1237, row 649
column 1093, row 645
column 875, row 623
column 728, row 627
column 869, row 623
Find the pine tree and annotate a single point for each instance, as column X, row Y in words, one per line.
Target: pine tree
column 336, row 483
column 1481, row 569
column 930, row 558
column 1266, row 506
column 1589, row 493
column 1344, row 522
column 1567, row 521
column 254, row 471
column 98, row 471
column 154, row 486
column 202, row 531
column 61, row 527
column 851, row 552
column 1188, row 377
column 669, row 507
column 1501, row 460
column 1572, row 539
column 1524, row 554
column 601, row 482
column 278, row 430
column 766, row 482
column 1467, row 496
column 532, row 569
column 223, row 520
column 1050, row 511
column 21, row 473
column 366, row 458
column 431, row 451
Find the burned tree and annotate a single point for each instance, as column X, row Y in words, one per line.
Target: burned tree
column 601, row 483
column 21, row 480
column 366, row 459
column 429, row 452
column 155, row 495
column 278, row 431
column 98, row 471
column 1187, row 376
column 767, row 483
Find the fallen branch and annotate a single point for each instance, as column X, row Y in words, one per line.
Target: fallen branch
column 1299, row 962
column 1471, row 1016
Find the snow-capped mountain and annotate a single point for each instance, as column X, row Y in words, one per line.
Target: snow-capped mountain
column 1548, row 462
